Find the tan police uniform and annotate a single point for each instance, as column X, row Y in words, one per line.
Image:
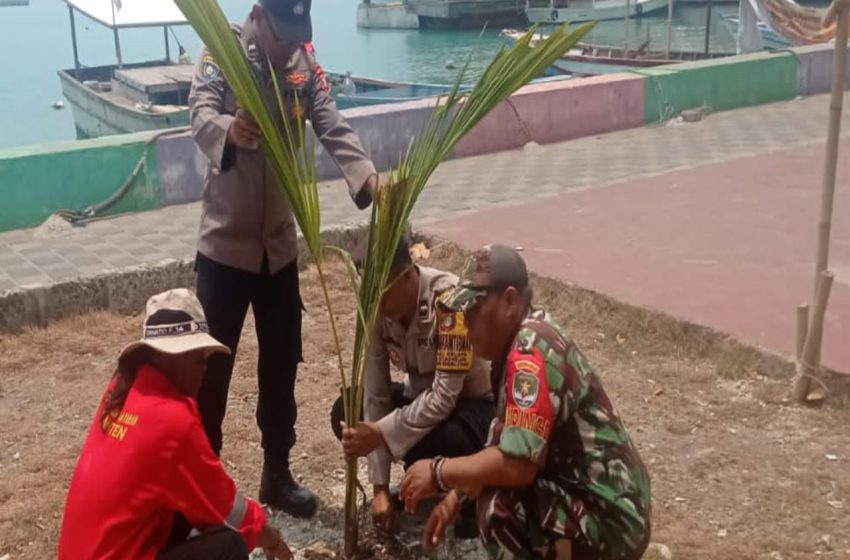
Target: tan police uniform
column 434, row 352
column 245, row 213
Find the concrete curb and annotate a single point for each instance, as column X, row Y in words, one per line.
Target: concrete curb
column 124, row 290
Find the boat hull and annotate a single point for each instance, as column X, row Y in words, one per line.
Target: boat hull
column 592, row 60
column 378, row 92
column 770, row 38
column 600, row 10
column 465, row 13
column 95, row 114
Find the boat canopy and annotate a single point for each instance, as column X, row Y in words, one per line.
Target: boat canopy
column 130, row 13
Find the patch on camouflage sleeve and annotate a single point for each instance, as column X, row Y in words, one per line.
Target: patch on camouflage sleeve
column 529, row 406
column 526, row 385
column 454, row 352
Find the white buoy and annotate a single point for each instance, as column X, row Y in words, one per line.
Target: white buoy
column 450, row 64
column 348, row 88
column 59, row 104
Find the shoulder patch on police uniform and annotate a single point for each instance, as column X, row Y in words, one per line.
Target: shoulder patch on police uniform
column 209, row 69
column 454, row 352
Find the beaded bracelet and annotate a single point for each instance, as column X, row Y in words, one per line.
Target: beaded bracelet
column 437, row 467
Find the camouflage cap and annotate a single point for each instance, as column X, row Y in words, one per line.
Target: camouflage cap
column 492, row 266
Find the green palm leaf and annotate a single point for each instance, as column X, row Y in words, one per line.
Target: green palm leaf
column 295, row 168
column 454, row 116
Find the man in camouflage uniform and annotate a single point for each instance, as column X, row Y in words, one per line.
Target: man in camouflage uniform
column 560, row 477
column 445, row 403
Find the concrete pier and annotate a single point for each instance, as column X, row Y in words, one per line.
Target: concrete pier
column 385, row 16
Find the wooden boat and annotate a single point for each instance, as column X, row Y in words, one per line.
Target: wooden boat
column 121, row 98
column 473, row 14
column 109, row 100
column 349, row 91
column 590, row 60
column 770, row 38
column 575, row 11
column 363, row 92
column 152, row 95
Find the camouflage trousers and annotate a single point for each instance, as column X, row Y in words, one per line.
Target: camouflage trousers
column 523, row 524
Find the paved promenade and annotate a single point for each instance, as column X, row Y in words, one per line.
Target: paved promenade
column 714, row 222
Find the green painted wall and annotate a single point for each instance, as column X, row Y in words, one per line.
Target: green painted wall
column 35, row 181
column 721, row 84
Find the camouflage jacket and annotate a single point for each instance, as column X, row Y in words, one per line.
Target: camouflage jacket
column 553, row 410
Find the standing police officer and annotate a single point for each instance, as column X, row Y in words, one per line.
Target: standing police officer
column 247, row 247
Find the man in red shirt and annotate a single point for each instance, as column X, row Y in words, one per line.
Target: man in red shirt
column 147, row 456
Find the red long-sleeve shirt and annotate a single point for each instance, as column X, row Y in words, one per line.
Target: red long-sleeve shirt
column 153, row 460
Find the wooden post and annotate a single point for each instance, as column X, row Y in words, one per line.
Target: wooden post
column 802, row 328
column 117, row 41
column 626, row 33
column 118, row 48
column 167, row 45
column 835, row 108
column 74, row 42
column 669, row 26
column 708, row 26
column 809, row 364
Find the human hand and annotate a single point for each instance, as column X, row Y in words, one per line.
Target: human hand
column 418, row 484
column 383, row 511
column 361, row 439
column 373, row 186
column 243, row 132
column 272, row 543
column 441, row 517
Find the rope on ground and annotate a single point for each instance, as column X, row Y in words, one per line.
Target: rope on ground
column 91, row 213
column 813, row 373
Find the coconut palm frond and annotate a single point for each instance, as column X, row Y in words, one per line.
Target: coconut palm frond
column 453, row 117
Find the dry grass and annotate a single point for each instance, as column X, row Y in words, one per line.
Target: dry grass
column 737, row 472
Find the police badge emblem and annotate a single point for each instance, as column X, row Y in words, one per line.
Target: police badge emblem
column 209, row 69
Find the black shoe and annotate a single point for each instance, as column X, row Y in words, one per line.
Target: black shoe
column 279, row 490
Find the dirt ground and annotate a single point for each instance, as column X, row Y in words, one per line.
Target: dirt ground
column 737, row 472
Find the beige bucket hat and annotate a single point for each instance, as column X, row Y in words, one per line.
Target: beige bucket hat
column 175, row 324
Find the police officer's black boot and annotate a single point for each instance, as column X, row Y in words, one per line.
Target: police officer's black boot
column 279, row 490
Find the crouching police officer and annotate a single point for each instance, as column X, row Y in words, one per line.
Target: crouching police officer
column 445, row 404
